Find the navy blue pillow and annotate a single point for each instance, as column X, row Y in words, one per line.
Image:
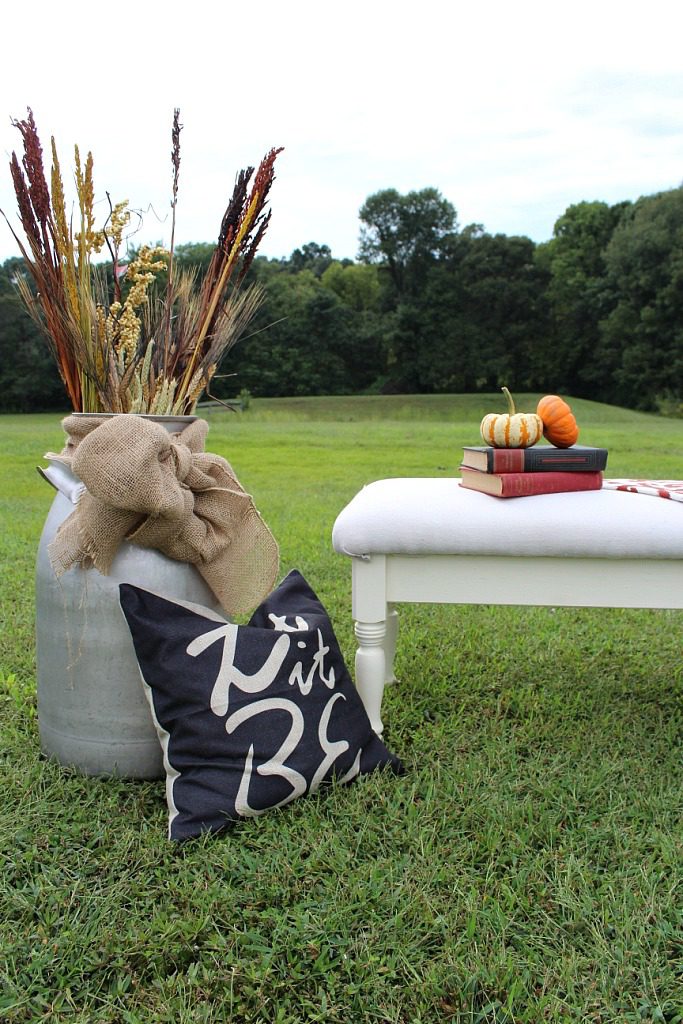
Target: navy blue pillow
column 249, row 717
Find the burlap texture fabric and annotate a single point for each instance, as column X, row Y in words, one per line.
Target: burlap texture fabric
column 165, row 492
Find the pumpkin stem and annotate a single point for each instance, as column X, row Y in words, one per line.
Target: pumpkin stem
column 511, row 404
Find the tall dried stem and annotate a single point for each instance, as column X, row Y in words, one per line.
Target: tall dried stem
column 175, row 163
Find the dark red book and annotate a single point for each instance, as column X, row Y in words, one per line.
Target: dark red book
column 540, row 458
column 520, row 485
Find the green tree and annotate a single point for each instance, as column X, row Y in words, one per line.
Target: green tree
column 476, row 321
column 304, row 332
column 315, row 334
column 642, row 336
column 407, row 233
column 578, row 298
column 311, row 256
column 195, row 254
column 504, row 305
column 29, row 380
column 357, row 285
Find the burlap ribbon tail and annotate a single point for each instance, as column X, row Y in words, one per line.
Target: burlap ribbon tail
column 165, row 492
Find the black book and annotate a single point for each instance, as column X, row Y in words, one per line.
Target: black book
column 540, row 458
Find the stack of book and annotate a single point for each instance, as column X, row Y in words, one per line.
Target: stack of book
column 541, row 469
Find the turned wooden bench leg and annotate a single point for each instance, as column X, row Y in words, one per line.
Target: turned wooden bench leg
column 375, row 628
column 375, row 663
column 371, row 669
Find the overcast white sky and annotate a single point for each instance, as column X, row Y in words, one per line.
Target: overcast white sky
column 512, row 110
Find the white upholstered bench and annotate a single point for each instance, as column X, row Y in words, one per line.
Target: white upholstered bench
column 431, row 540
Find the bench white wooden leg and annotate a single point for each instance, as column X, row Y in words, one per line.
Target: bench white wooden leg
column 375, row 629
column 371, row 669
column 390, row 644
column 375, row 663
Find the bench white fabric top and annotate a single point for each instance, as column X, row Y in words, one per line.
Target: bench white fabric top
column 423, row 515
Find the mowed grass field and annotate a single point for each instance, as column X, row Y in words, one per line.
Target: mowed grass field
column 527, row 867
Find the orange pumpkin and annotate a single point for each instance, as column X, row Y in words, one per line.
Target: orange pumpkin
column 559, row 422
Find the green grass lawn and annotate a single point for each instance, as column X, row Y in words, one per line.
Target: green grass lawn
column 527, row 867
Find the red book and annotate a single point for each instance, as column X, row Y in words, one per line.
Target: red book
column 519, row 485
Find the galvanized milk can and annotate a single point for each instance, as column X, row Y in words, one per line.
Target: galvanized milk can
column 92, row 711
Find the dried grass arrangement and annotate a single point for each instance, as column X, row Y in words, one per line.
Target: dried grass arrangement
column 118, row 347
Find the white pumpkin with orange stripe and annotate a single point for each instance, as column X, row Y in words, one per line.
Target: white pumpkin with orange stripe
column 511, row 429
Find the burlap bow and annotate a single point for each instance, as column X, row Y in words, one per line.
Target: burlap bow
column 164, row 492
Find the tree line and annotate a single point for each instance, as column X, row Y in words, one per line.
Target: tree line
column 430, row 306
